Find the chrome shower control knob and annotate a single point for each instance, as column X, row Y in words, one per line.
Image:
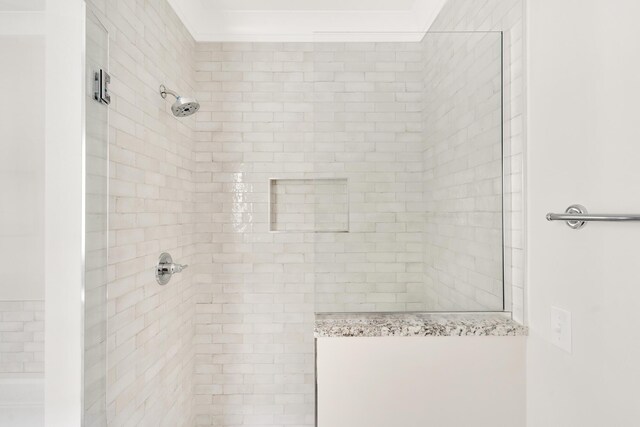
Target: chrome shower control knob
column 167, row 268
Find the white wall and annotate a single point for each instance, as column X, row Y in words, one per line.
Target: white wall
column 22, row 5
column 22, row 166
column 63, row 213
column 22, row 207
column 22, row 141
column 421, row 381
column 583, row 147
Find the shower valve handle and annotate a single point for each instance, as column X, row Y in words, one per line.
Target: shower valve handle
column 172, row 268
column 167, row 268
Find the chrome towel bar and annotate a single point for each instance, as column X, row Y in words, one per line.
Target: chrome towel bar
column 577, row 216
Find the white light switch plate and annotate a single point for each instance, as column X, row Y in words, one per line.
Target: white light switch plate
column 561, row 328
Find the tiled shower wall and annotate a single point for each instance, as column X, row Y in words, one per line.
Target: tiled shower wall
column 506, row 16
column 255, row 306
column 21, row 338
column 292, row 112
column 150, row 327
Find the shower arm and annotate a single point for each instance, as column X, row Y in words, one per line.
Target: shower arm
column 164, row 91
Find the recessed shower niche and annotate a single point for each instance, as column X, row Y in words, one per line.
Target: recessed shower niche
column 311, row 205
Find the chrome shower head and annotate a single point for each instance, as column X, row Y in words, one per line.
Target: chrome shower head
column 183, row 106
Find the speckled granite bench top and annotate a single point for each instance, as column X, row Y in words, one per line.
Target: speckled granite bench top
column 416, row 325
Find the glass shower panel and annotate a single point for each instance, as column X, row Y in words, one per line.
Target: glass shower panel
column 368, row 132
column 408, row 142
column 462, row 175
column 96, row 239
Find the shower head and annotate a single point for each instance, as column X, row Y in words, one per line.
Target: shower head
column 183, row 106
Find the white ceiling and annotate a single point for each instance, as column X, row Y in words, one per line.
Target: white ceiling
column 307, row 20
column 22, row 17
column 311, row 5
column 21, row 5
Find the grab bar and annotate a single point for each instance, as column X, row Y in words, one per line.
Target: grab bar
column 576, row 217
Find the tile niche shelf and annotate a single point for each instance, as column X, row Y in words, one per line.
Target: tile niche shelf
column 316, row 205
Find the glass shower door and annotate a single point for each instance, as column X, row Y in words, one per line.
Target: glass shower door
column 96, row 223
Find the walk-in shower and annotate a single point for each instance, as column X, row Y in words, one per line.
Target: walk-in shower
column 324, row 177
